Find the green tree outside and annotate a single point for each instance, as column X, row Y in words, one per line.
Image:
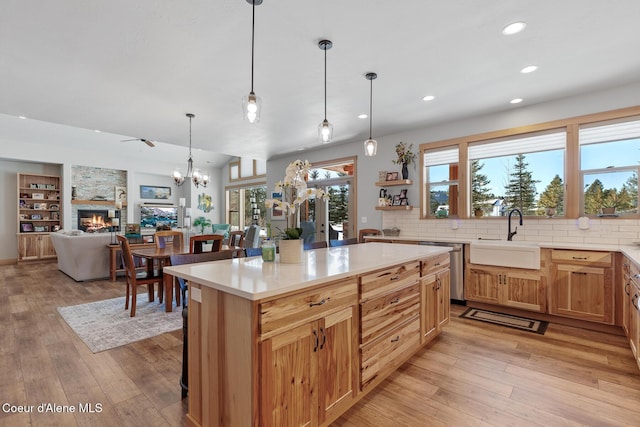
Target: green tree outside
column 553, row 196
column 480, row 192
column 521, row 189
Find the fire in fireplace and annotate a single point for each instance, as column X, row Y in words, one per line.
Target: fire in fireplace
column 93, row 221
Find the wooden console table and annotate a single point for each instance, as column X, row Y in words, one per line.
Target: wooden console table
column 113, row 256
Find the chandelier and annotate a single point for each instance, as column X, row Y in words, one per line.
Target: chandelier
column 196, row 175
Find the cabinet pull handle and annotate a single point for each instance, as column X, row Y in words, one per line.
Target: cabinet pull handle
column 436, row 264
column 438, row 283
column 579, row 257
column 627, row 288
column 395, row 300
column 396, row 339
column 322, row 302
column 396, row 277
column 633, row 301
column 324, row 338
column 315, row 336
column 579, row 272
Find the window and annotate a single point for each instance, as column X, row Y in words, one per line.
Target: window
column 239, row 211
column 609, row 167
column 523, row 171
column 441, row 178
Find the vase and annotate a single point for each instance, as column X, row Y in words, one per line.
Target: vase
column 291, row 251
column 405, row 171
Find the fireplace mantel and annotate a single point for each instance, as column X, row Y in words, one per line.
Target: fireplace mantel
column 96, row 202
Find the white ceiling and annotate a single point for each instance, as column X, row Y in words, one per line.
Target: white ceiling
column 135, row 68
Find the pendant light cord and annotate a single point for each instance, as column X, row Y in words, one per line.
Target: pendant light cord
column 370, row 107
column 325, row 84
column 253, row 29
column 190, row 136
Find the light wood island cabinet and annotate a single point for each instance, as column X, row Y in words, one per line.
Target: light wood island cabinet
column 274, row 344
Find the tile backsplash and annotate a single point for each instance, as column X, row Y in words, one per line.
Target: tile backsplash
column 542, row 230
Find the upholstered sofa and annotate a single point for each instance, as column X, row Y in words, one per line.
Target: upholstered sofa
column 82, row 256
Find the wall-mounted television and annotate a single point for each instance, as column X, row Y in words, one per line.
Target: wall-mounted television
column 158, row 217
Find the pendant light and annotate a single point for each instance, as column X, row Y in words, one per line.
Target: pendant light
column 252, row 104
column 370, row 145
column 325, row 129
column 196, row 175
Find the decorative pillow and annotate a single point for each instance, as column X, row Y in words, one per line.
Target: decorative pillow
column 75, row 233
column 220, row 232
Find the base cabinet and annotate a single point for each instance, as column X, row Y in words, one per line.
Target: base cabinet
column 435, row 304
column 582, row 285
column 517, row 288
column 307, row 372
column 35, row 247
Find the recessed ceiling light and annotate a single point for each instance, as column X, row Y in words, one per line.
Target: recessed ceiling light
column 362, row 116
column 428, row 98
column 529, row 69
column 96, row 131
column 516, row 101
column 513, row 28
column 22, row 117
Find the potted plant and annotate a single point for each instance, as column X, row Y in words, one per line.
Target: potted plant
column 477, row 211
column 609, row 204
column 405, row 157
column 294, row 192
column 202, row 222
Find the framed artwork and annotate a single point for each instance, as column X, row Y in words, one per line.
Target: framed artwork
column 132, row 229
column 275, row 212
column 36, row 217
column 40, row 228
column 37, row 196
column 121, row 194
column 392, row 176
column 39, row 206
column 151, row 192
column 205, row 202
column 26, row 227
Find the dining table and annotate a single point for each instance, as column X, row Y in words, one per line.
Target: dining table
column 161, row 257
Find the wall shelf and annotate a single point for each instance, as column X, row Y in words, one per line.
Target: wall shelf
column 395, row 182
column 394, row 208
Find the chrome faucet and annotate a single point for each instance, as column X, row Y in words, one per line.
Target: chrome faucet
column 510, row 233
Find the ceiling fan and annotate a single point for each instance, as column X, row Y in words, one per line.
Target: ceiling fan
column 146, row 141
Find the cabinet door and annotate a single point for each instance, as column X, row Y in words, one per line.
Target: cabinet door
column 582, row 292
column 288, row 376
column 443, row 298
column 626, row 295
column 46, row 247
column 428, row 308
column 524, row 290
column 28, row 246
column 483, row 285
column 337, row 363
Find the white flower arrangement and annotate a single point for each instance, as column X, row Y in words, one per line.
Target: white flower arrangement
column 295, row 192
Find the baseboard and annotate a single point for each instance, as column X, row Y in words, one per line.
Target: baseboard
column 13, row 261
column 609, row 329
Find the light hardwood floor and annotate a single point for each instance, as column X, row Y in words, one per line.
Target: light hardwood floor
column 474, row 374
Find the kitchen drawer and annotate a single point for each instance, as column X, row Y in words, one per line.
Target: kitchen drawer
column 387, row 353
column 293, row 310
column 436, row 263
column 587, row 257
column 384, row 281
column 384, row 313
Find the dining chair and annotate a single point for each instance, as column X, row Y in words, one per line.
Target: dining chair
column 315, row 245
column 135, row 278
column 163, row 238
column 236, row 238
column 180, row 259
column 351, row 241
column 196, row 242
column 368, row 232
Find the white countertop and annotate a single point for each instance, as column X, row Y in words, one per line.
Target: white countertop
column 253, row 279
column 631, row 251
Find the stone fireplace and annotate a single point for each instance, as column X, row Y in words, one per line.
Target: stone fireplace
column 94, row 220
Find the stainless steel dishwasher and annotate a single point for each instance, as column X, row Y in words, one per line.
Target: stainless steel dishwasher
column 457, row 269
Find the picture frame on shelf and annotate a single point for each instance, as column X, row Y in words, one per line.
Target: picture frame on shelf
column 24, row 195
column 403, row 193
column 121, row 194
column 54, row 207
column 40, row 228
column 392, row 176
column 275, row 212
column 36, row 217
column 24, row 217
column 26, row 227
column 396, row 200
column 40, row 206
column 54, row 196
column 404, row 201
column 55, row 216
column 39, row 196
column 23, row 204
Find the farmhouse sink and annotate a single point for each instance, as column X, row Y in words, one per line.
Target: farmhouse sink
column 505, row 253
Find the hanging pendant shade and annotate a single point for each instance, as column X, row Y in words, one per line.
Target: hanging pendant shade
column 370, row 145
column 252, row 104
column 325, row 129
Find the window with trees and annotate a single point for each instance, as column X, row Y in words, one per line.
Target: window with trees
column 441, row 176
column 609, row 166
column 523, row 171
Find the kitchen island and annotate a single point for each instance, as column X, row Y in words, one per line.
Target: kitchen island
column 296, row 344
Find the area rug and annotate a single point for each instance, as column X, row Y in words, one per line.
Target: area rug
column 522, row 323
column 103, row 325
